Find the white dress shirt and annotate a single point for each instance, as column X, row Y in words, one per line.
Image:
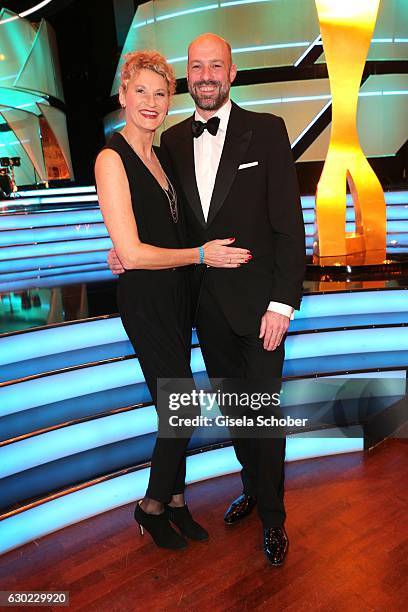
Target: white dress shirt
column 207, row 155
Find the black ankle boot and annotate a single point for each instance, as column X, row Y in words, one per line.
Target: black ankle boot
column 182, row 518
column 159, row 528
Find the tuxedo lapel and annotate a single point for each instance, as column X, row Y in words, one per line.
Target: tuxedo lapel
column 236, row 143
column 185, row 155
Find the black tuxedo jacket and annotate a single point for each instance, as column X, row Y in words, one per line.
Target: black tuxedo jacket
column 258, row 205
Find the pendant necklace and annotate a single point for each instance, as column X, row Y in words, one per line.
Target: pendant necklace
column 170, row 193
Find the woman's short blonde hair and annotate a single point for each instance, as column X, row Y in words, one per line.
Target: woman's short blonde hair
column 147, row 60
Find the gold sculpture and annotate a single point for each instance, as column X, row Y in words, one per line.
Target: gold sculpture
column 346, row 28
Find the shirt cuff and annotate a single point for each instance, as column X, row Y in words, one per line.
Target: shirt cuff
column 283, row 309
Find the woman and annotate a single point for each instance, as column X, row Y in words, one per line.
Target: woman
column 145, row 222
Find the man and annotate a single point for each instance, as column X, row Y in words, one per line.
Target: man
column 236, row 171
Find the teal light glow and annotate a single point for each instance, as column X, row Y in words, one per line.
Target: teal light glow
column 238, row 2
column 395, row 93
column 104, row 496
column 198, row 9
column 271, row 47
column 27, row 12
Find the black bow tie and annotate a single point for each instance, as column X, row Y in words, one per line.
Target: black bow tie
column 212, row 126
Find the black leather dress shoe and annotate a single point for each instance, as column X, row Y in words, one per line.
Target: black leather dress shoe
column 276, row 545
column 239, row 509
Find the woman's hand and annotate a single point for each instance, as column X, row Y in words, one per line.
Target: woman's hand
column 218, row 254
column 114, row 263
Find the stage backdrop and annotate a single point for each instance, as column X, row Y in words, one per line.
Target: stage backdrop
column 32, row 117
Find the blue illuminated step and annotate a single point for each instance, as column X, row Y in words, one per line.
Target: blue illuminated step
column 52, row 234
column 315, row 399
column 47, row 478
column 58, row 280
column 306, row 354
column 46, row 272
column 65, row 411
column 126, row 488
column 52, row 348
column 55, row 248
column 54, row 261
column 50, row 219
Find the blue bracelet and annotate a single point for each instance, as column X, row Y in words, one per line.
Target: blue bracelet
column 201, row 251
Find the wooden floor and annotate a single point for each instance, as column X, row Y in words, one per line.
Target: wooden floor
column 348, row 529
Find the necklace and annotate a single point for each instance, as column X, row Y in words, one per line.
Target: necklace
column 170, row 193
column 171, row 196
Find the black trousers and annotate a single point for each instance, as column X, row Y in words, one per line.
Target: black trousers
column 156, row 313
column 228, row 355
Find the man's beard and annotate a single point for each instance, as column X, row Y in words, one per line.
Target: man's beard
column 213, row 103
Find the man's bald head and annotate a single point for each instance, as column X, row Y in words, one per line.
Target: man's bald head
column 210, row 72
column 213, row 41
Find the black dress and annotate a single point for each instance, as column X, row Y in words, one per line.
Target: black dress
column 154, row 306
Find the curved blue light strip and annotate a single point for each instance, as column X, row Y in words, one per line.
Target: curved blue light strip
column 9, row 255
column 347, row 342
column 49, row 219
column 28, row 394
column 59, row 281
column 78, row 438
column 81, row 437
column 38, row 219
column 47, row 272
column 66, row 259
column 55, row 248
column 356, row 302
column 52, row 234
column 79, row 335
column 55, row 191
column 38, row 201
column 59, row 513
column 38, row 392
column 70, row 337
column 98, row 230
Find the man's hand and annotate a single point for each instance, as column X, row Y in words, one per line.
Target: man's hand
column 273, row 327
column 114, row 263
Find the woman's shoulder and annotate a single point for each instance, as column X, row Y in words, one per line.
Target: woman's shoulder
column 114, row 143
column 108, row 155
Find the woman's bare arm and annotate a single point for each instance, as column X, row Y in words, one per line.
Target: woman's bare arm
column 116, row 206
